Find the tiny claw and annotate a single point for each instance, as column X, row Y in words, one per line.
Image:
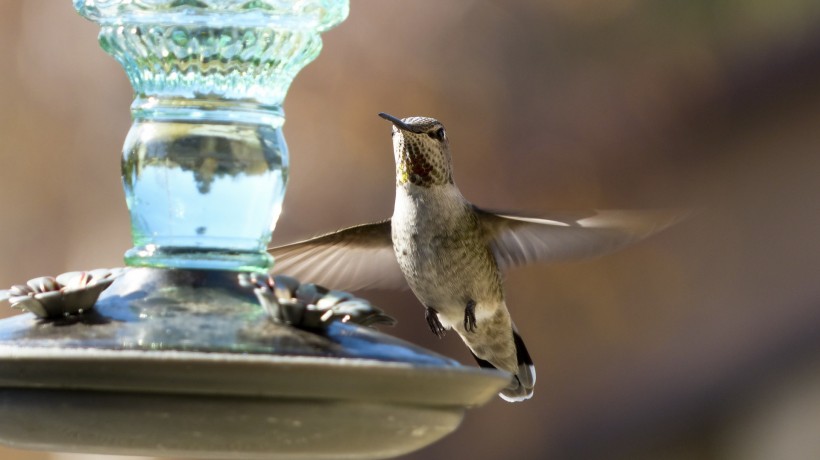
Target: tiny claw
column 431, row 315
column 469, row 317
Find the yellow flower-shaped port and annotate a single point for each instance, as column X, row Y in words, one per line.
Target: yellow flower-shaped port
column 67, row 294
column 310, row 306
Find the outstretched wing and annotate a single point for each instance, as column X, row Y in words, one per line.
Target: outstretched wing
column 517, row 240
column 354, row 258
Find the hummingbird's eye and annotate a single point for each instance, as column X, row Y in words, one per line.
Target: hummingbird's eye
column 437, row 134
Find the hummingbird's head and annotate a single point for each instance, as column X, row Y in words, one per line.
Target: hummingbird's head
column 422, row 151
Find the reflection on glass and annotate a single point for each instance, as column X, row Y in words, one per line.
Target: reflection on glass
column 208, row 190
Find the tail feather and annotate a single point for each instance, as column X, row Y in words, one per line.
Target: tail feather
column 523, row 381
column 526, row 368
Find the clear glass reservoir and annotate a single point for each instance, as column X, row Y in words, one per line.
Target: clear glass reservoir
column 205, row 164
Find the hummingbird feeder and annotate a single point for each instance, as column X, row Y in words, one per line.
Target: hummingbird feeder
column 193, row 349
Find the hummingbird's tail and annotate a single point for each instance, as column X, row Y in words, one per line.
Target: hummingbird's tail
column 523, row 381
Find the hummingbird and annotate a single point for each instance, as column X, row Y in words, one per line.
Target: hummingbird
column 452, row 254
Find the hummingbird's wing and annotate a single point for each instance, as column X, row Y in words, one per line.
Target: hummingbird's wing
column 517, row 240
column 354, row 258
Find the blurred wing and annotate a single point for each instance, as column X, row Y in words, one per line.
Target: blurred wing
column 517, row 240
column 359, row 257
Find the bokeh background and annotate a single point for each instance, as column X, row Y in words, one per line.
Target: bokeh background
column 700, row 343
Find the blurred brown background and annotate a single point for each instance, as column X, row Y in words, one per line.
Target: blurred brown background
column 701, row 343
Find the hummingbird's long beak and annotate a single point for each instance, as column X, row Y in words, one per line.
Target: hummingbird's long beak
column 396, row 122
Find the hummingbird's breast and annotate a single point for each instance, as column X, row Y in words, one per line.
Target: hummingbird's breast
column 441, row 249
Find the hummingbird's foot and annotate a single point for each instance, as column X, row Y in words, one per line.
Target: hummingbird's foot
column 469, row 317
column 431, row 315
